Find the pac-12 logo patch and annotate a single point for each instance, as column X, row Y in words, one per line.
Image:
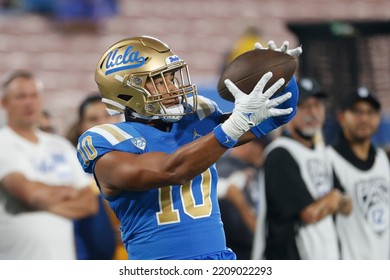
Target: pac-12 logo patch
column 373, row 201
column 139, row 142
column 320, row 176
column 172, row 59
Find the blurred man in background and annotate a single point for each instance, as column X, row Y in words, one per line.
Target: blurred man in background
column 299, row 190
column 45, row 122
column 364, row 174
column 42, row 187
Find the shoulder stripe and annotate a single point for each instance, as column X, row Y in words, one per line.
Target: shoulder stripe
column 205, row 107
column 111, row 133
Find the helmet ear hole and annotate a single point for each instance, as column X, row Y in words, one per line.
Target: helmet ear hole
column 125, row 97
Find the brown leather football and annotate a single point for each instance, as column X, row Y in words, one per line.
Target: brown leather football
column 248, row 68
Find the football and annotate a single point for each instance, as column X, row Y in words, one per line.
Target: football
column 248, row 68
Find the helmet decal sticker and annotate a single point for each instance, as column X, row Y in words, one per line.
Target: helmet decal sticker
column 172, row 59
column 129, row 60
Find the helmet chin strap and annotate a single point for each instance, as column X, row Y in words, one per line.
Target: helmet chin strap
column 174, row 110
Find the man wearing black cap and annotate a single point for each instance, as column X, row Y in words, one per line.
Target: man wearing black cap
column 299, row 189
column 364, row 173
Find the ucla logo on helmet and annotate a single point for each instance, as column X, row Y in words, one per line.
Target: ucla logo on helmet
column 172, row 59
column 129, row 60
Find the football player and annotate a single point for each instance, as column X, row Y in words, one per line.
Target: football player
column 157, row 168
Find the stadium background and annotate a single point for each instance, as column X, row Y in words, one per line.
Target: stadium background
column 63, row 50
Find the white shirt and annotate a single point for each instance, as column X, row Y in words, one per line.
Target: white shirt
column 364, row 234
column 28, row 234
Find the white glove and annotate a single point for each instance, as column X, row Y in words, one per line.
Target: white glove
column 284, row 48
column 251, row 109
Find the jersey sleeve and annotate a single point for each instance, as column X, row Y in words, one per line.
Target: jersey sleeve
column 102, row 139
column 207, row 108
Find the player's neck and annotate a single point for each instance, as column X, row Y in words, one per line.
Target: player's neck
column 159, row 124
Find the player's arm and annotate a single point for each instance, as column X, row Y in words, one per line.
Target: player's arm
column 125, row 171
column 117, row 171
column 34, row 194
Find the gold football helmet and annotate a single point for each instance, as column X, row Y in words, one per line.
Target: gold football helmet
column 126, row 67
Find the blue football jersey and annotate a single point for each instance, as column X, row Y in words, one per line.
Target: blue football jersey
column 173, row 222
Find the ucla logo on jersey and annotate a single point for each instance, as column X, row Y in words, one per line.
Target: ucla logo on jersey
column 59, row 158
column 373, row 201
column 44, row 167
column 129, row 60
column 139, row 142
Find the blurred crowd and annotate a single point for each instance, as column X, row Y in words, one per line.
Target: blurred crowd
column 68, row 15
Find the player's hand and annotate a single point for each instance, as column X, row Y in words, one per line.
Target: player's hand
column 284, row 48
column 272, row 123
column 251, row 109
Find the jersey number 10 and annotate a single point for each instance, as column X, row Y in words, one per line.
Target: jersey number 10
column 168, row 214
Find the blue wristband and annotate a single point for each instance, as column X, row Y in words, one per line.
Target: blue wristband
column 263, row 128
column 223, row 138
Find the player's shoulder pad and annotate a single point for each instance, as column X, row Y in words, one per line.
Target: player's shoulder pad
column 102, row 139
column 110, row 133
column 206, row 107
